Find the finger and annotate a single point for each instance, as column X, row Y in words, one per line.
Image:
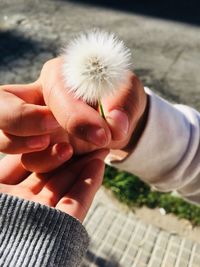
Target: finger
column 47, row 160
column 62, row 181
column 35, row 182
column 75, row 116
column 78, row 201
column 12, row 171
column 24, row 119
column 11, row 144
column 124, row 110
column 30, row 93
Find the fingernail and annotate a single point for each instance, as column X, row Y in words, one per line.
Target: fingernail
column 120, row 119
column 50, row 123
column 64, row 151
column 38, row 141
column 96, row 136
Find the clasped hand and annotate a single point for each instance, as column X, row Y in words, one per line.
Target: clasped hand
column 45, row 125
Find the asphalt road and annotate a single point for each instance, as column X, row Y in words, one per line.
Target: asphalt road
column 166, row 53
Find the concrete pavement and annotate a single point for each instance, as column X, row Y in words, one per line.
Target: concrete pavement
column 120, row 239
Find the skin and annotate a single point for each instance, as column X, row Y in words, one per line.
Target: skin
column 70, row 189
column 43, row 121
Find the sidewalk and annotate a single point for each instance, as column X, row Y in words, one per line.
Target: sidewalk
column 120, row 239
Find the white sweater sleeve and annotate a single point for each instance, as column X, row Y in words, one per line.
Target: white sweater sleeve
column 167, row 155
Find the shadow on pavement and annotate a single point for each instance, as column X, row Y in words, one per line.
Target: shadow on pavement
column 14, row 46
column 178, row 10
column 99, row 261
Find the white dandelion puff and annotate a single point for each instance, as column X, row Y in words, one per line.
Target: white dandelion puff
column 96, row 63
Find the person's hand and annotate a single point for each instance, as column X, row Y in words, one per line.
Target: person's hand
column 86, row 129
column 81, row 125
column 27, row 125
column 25, row 122
column 70, row 189
column 123, row 112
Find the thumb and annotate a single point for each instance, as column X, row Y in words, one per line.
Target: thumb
column 124, row 110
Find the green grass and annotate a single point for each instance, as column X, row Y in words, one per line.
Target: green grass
column 135, row 193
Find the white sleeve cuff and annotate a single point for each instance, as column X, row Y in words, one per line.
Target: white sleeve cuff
column 167, row 147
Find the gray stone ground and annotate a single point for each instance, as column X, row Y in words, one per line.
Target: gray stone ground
column 166, row 56
column 120, row 239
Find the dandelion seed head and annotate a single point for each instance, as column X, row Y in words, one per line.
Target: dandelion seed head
column 96, row 63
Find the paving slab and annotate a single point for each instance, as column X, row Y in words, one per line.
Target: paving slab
column 120, row 239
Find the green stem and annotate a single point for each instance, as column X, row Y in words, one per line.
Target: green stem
column 101, row 109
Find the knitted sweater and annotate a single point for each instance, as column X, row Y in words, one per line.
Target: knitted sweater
column 34, row 235
column 167, row 155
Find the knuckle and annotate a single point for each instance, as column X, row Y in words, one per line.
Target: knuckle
column 74, row 125
column 27, row 119
column 47, row 65
column 33, row 162
column 17, row 118
column 3, row 88
column 10, row 120
column 51, row 198
column 6, row 143
column 12, row 116
column 50, row 65
column 27, row 164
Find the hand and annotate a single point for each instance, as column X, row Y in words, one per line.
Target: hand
column 123, row 111
column 27, row 125
column 25, row 122
column 70, row 189
column 82, row 126
column 87, row 131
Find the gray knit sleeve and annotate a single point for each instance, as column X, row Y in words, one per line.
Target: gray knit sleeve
column 32, row 234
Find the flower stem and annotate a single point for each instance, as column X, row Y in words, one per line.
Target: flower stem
column 101, row 109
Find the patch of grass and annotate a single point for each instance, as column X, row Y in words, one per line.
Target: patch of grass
column 135, row 193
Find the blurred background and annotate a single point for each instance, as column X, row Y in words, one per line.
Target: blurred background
column 164, row 38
